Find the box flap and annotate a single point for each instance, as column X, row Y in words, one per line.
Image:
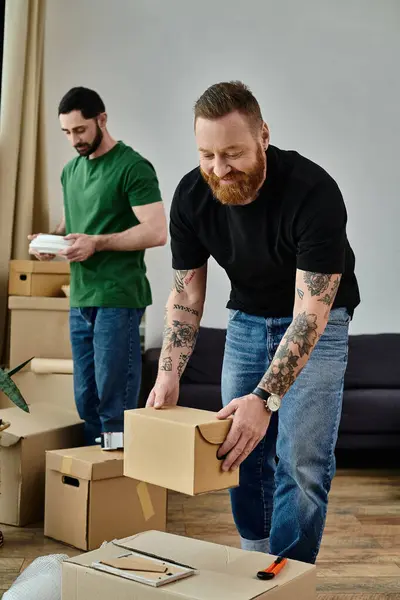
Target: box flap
column 37, row 303
column 90, row 462
column 38, row 266
column 190, row 552
column 43, row 417
column 222, row 572
column 208, row 556
column 191, row 417
column 215, row 432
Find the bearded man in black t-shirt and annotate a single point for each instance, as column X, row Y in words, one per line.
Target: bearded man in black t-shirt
column 276, row 223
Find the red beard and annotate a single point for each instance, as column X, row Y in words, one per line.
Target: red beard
column 244, row 186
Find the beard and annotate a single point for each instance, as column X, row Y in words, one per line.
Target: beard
column 244, row 186
column 88, row 149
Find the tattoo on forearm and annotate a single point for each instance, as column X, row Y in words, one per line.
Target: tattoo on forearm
column 284, row 368
column 329, row 297
column 183, row 359
column 303, row 332
column 317, row 283
column 281, row 374
column 300, row 293
column 180, row 335
column 166, row 364
column 186, row 309
column 182, row 278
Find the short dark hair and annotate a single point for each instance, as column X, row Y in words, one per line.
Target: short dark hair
column 223, row 98
column 80, row 98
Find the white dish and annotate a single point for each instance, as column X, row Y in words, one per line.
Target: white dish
column 49, row 244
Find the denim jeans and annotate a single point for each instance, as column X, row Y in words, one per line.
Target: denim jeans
column 281, row 502
column 107, row 366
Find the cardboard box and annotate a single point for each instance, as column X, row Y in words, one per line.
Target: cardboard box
column 89, row 501
column 222, row 573
column 39, row 328
column 38, row 278
column 178, row 449
column 22, row 457
column 44, row 387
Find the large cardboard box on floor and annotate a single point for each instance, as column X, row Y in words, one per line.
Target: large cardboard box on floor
column 38, row 278
column 222, row 573
column 22, row 457
column 177, row 448
column 39, row 328
column 89, row 501
column 36, row 388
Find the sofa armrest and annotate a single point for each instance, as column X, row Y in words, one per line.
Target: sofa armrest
column 149, row 373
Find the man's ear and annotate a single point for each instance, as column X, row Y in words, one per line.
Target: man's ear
column 265, row 136
column 102, row 120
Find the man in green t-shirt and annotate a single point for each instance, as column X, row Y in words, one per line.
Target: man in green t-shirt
column 113, row 211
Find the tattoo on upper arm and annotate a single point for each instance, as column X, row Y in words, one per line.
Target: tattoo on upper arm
column 317, row 283
column 182, row 278
column 178, row 280
column 329, row 297
column 300, row 293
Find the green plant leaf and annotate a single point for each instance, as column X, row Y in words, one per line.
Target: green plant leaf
column 21, row 366
column 11, row 390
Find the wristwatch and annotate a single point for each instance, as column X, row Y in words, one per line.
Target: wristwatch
column 272, row 401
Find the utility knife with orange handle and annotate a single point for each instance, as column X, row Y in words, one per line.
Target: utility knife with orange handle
column 273, row 569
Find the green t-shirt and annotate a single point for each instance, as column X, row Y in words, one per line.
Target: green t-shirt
column 99, row 194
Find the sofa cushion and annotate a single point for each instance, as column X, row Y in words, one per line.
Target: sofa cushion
column 373, row 361
column 371, row 411
column 205, row 364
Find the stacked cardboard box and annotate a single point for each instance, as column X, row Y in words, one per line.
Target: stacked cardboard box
column 89, row 501
column 39, row 310
column 36, row 278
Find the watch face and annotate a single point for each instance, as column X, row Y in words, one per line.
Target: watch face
column 274, row 402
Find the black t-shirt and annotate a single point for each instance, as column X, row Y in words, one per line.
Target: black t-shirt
column 298, row 220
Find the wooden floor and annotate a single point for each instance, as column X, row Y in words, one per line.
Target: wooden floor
column 360, row 553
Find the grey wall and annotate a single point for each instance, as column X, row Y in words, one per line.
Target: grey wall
column 326, row 75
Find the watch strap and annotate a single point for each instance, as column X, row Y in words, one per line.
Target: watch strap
column 263, row 394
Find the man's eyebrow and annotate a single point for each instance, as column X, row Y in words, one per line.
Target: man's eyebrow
column 73, row 129
column 231, row 147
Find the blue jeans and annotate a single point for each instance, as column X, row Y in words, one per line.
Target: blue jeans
column 281, row 502
column 107, row 366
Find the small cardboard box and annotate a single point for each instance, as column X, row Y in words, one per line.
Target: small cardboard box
column 22, row 457
column 43, row 387
column 39, row 328
column 38, row 278
column 178, row 449
column 89, row 501
column 222, row 573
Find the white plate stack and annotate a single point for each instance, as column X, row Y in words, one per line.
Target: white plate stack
column 49, row 244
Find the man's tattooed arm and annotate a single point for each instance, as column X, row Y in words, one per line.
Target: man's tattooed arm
column 182, row 319
column 315, row 295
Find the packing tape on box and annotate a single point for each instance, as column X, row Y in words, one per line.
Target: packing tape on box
column 145, row 500
column 52, row 365
column 66, row 465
